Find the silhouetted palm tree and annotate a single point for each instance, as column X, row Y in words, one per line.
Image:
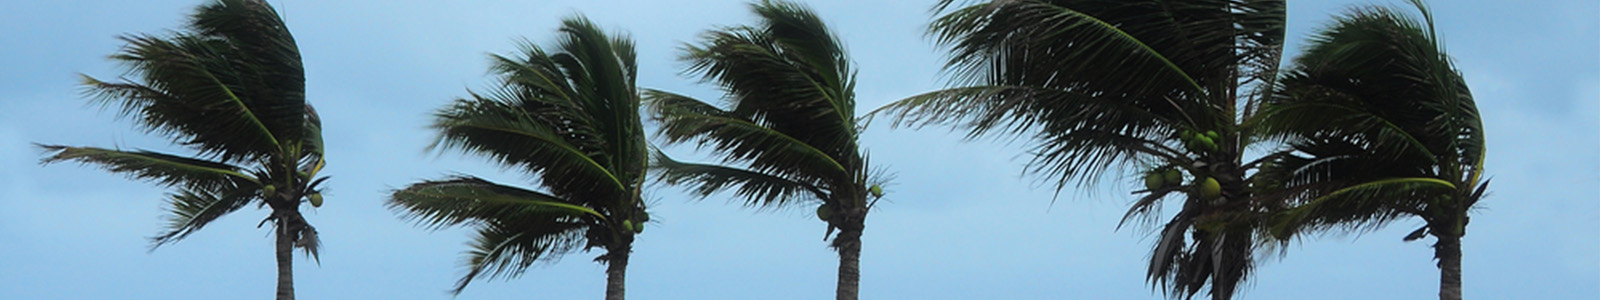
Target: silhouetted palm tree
column 789, row 134
column 1109, row 84
column 1382, row 127
column 571, row 118
column 230, row 87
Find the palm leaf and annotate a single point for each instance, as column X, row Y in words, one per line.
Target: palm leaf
column 189, row 91
column 788, row 74
column 508, row 247
column 760, row 188
column 166, row 169
column 515, row 137
column 452, row 201
column 1363, row 205
column 193, row 208
column 267, row 59
column 766, row 149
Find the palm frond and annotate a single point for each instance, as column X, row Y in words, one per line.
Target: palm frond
column 453, row 201
column 789, row 74
column 165, row 169
column 504, row 248
column 1388, row 64
column 515, row 137
column 1139, row 49
column 760, row 189
column 765, row 149
column 266, row 59
column 1363, row 205
column 195, row 207
column 232, row 86
column 188, row 91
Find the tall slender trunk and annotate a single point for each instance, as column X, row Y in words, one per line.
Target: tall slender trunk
column 1448, row 252
column 848, row 243
column 617, row 273
column 285, row 254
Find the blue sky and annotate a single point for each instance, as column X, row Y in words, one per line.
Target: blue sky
column 961, row 222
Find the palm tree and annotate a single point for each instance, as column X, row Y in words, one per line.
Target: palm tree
column 231, row 88
column 1382, row 127
column 1164, row 87
column 571, row 118
column 789, row 136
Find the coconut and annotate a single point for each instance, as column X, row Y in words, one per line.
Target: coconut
column 1205, row 143
column 1173, row 176
column 627, row 225
column 877, row 191
column 824, row 212
column 638, row 228
column 1209, row 188
column 1154, row 180
column 316, row 199
column 269, row 190
column 1213, row 135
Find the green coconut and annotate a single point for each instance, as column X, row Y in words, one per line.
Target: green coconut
column 824, row 212
column 1204, row 143
column 1172, row 176
column 627, row 225
column 269, row 190
column 316, row 199
column 1154, row 180
column 638, row 228
column 877, row 191
column 1213, row 135
column 1209, row 188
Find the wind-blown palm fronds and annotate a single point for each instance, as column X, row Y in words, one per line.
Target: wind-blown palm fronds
column 571, row 119
column 231, row 88
column 1103, row 84
column 1382, row 127
column 787, row 135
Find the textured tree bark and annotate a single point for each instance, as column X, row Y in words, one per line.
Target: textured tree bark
column 1448, row 251
column 285, row 254
column 616, row 274
column 848, row 243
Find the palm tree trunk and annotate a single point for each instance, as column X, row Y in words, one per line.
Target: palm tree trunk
column 848, row 243
column 616, row 274
column 285, row 253
column 1448, row 251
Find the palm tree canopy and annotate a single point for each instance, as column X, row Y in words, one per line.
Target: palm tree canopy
column 230, row 87
column 1102, row 84
column 789, row 115
column 1381, row 125
column 1101, row 81
column 571, row 118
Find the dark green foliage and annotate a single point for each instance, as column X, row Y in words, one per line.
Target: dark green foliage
column 231, row 88
column 1381, row 127
column 787, row 133
column 569, row 117
column 1107, row 84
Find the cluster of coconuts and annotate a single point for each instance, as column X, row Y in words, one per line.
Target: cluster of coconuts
column 1200, row 142
column 1169, row 177
column 636, row 227
column 825, row 211
column 271, row 190
column 1159, row 178
column 315, row 198
column 1165, row 177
